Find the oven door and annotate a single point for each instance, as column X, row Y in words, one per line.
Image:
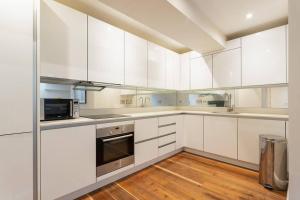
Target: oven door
column 114, row 152
column 56, row 109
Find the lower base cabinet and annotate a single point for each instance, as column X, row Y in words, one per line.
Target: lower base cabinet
column 248, row 136
column 16, row 168
column 68, row 160
column 220, row 136
column 193, row 132
column 145, row 151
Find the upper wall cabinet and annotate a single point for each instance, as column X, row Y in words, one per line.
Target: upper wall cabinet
column 156, row 66
column 201, row 72
column 227, row 68
column 16, row 66
column 63, row 41
column 105, row 52
column 184, row 72
column 172, row 70
column 135, row 61
column 264, row 59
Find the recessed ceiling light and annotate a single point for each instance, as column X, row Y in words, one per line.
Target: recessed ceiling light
column 249, row 15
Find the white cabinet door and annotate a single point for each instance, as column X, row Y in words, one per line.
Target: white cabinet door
column 264, row 57
column 220, row 136
column 68, row 160
column 145, row 151
column 201, row 72
column 172, row 70
column 156, row 66
column 184, row 71
column 16, row 66
column 145, row 129
column 63, row 35
column 193, row 132
column 179, row 131
column 136, row 63
column 248, row 136
column 227, row 68
column 105, row 52
column 16, row 169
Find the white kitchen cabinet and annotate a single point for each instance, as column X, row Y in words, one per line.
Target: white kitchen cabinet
column 145, row 151
column 63, row 41
column 179, row 131
column 193, row 132
column 172, row 70
column 16, row 66
column 227, row 66
column 264, row 58
column 68, row 160
column 145, row 129
column 220, row 136
column 248, row 136
column 166, row 149
column 16, row 169
column 156, row 66
column 136, row 63
column 105, row 52
column 184, row 71
column 201, row 72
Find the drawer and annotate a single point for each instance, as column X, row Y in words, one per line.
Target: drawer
column 166, row 120
column 166, row 149
column 166, row 139
column 167, row 130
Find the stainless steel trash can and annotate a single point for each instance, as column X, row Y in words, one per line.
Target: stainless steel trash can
column 273, row 162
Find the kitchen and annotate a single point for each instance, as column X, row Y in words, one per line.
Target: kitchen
column 119, row 102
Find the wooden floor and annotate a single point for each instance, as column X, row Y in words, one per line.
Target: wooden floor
column 187, row 176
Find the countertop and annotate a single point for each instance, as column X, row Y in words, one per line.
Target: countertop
column 133, row 116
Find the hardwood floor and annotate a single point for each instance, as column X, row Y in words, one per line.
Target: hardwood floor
column 187, row 177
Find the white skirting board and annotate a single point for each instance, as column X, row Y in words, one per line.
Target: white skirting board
column 137, row 168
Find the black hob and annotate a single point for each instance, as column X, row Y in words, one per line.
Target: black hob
column 105, row 116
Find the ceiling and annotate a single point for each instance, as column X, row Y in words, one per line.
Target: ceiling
column 229, row 15
column 182, row 25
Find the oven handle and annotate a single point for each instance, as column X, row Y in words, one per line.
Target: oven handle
column 117, row 138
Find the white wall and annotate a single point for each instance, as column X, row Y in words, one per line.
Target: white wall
column 294, row 99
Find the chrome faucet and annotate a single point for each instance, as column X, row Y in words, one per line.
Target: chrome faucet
column 142, row 100
column 229, row 105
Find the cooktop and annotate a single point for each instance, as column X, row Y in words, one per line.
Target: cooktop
column 105, row 116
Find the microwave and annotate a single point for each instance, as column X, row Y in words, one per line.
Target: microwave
column 59, row 109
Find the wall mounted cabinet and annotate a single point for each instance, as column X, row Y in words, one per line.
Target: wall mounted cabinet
column 184, row 71
column 156, row 66
column 248, row 136
column 63, row 36
column 136, row 63
column 220, row 136
column 227, row 69
column 264, row 58
column 105, row 52
column 172, row 70
column 68, row 160
column 201, row 72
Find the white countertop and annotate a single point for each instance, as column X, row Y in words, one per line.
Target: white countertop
column 132, row 116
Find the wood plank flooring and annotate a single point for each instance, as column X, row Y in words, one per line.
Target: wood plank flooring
column 187, row 177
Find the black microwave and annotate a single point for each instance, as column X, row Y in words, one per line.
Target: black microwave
column 59, row 109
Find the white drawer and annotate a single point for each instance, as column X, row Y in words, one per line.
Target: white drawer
column 166, row 120
column 166, row 139
column 166, row 149
column 167, row 130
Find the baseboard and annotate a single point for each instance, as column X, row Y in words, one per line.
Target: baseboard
column 116, row 177
column 222, row 159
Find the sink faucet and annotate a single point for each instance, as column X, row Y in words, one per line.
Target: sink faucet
column 142, row 100
column 229, row 105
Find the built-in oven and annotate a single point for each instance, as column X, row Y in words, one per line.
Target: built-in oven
column 115, row 148
column 57, row 109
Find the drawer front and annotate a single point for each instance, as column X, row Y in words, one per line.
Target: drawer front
column 166, row 149
column 146, row 151
column 167, row 130
column 166, row 120
column 166, row 139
